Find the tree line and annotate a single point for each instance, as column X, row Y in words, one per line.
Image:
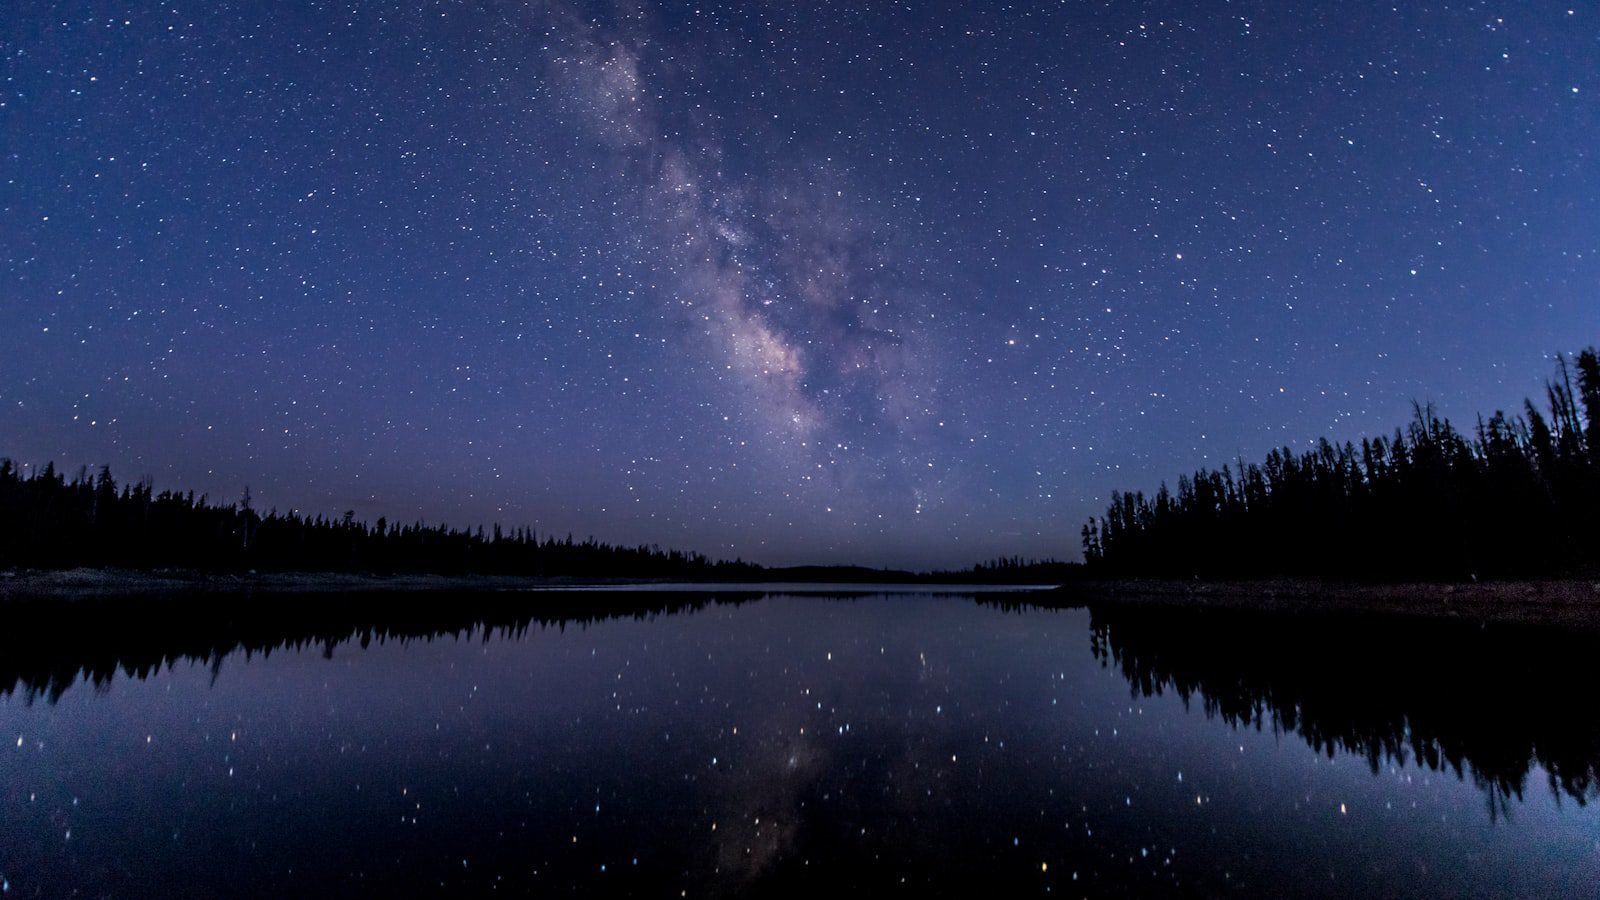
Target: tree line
column 1517, row 496
column 51, row 521
column 48, row 521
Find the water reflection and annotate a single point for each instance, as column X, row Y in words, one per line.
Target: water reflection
column 669, row 744
column 1486, row 703
column 47, row 645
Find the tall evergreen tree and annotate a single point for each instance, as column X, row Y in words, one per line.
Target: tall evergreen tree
column 1519, row 497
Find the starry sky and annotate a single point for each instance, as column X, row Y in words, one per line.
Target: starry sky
column 909, row 284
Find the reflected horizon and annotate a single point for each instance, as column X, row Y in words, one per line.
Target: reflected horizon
column 855, row 728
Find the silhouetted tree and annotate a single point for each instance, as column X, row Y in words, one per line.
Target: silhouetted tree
column 49, row 522
column 1520, row 497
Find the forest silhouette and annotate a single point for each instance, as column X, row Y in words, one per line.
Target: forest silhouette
column 1518, row 497
column 48, row 521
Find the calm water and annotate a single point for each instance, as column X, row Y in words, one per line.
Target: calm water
column 772, row 743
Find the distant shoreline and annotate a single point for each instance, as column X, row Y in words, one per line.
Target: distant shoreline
column 1567, row 602
column 86, row 583
column 83, row 582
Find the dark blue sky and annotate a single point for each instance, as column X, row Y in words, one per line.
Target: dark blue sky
column 910, row 284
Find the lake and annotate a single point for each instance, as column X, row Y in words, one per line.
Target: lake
column 756, row 741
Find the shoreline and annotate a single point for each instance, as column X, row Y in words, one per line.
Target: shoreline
column 1565, row 602
column 88, row 583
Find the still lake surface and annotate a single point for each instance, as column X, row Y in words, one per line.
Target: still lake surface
column 864, row 742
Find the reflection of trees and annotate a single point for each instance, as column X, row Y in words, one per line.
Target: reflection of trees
column 47, row 645
column 1485, row 702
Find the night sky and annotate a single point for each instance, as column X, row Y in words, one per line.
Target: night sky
column 908, row 284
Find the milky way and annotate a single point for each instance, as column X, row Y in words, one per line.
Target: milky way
column 789, row 289
column 910, row 284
